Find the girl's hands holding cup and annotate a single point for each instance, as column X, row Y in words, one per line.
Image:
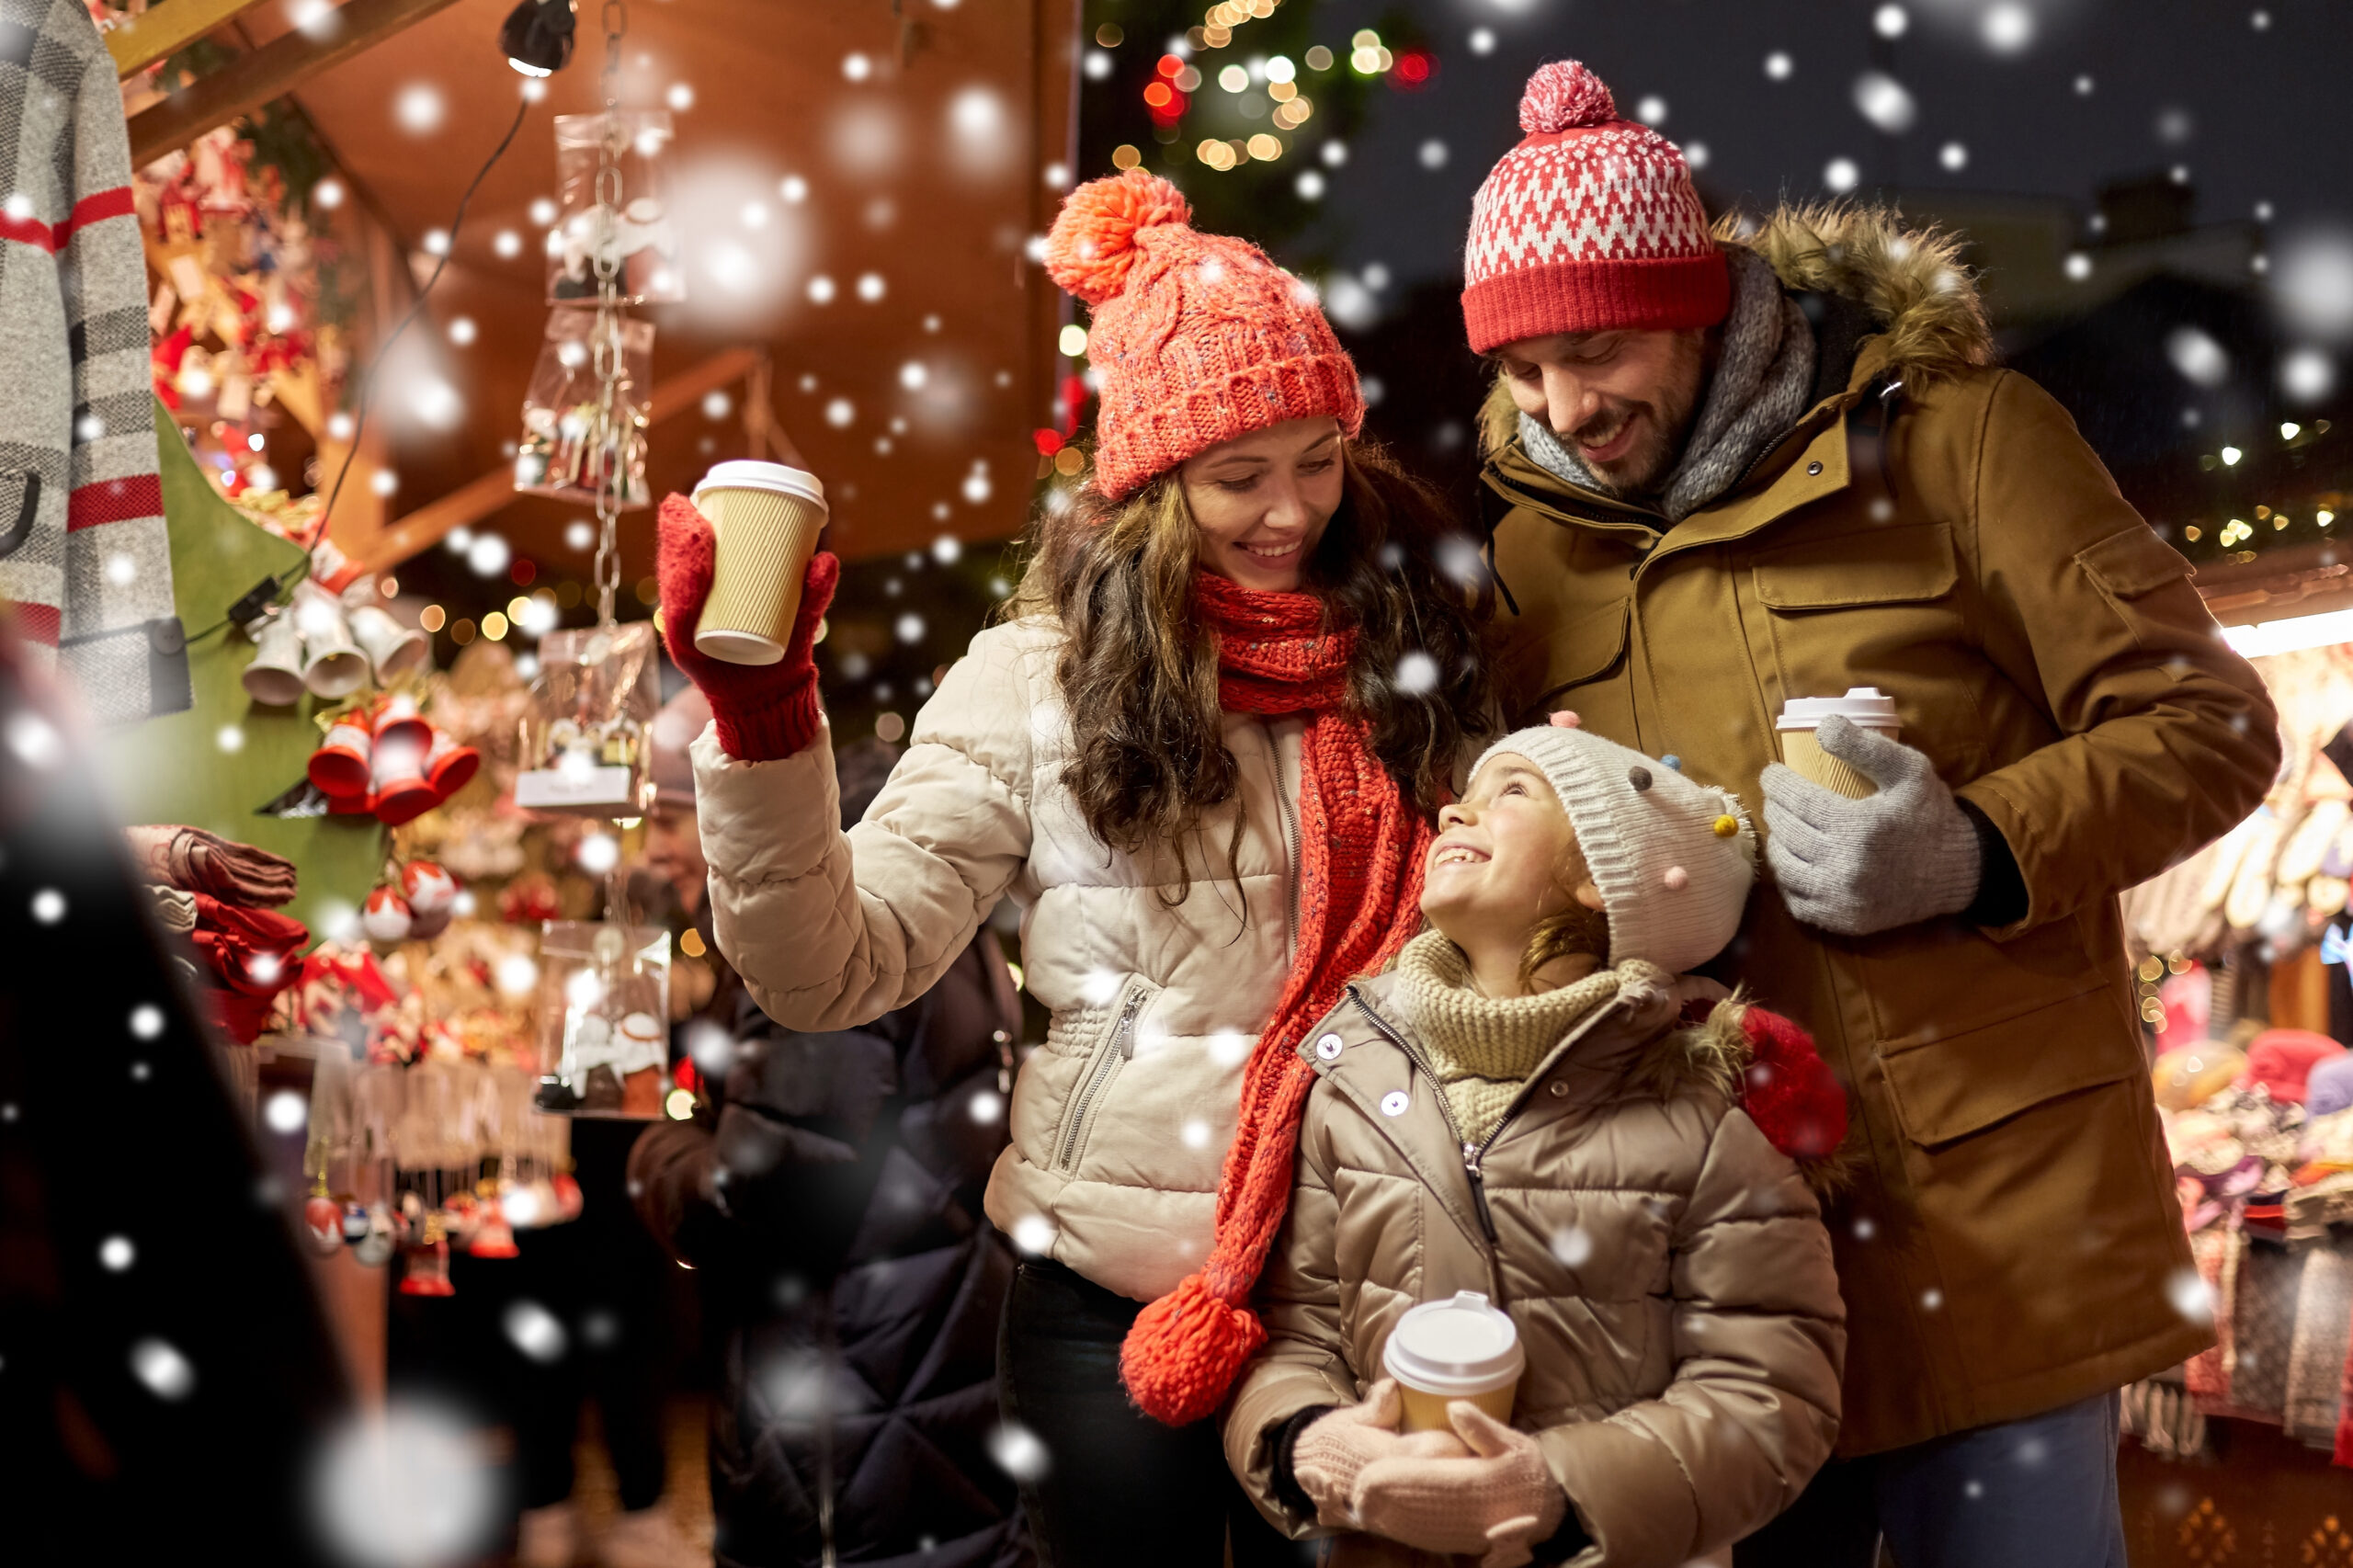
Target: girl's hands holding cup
column 762, row 712
column 1335, row 1449
column 1489, row 1495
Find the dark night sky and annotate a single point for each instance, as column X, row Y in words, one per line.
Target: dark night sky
column 2268, row 116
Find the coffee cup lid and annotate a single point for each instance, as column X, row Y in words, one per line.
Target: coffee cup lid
column 1864, row 705
column 745, row 474
column 1458, row 1346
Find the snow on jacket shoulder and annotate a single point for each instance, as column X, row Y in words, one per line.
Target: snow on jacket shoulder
column 1665, row 1266
column 1120, row 1119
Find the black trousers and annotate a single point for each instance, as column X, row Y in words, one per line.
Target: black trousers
column 1118, row 1490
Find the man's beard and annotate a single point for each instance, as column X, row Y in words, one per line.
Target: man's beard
column 1644, row 467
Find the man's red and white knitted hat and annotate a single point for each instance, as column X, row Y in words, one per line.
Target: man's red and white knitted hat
column 1589, row 224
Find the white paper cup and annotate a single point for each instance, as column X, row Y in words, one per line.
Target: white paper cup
column 767, row 519
column 1460, row 1348
column 1866, row 706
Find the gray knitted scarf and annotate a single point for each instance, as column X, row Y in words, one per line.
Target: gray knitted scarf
column 1762, row 378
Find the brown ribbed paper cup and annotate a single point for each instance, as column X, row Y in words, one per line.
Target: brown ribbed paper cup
column 767, row 519
column 1865, row 707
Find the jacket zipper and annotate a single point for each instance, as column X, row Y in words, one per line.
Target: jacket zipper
column 1121, row 1046
column 1474, row 1155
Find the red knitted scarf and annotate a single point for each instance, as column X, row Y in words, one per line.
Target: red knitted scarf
column 1361, row 846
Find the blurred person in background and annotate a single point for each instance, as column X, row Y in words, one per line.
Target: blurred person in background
column 167, row 1382
column 603, row 1275
column 828, row 1195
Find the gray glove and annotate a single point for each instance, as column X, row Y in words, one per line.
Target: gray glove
column 1902, row 855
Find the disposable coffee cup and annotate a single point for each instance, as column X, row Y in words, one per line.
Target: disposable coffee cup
column 1460, row 1348
column 766, row 517
column 1866, row 706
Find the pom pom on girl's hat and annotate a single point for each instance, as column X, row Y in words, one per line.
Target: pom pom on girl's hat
column 1197, row 338
column 1589, row 224
column 1673, row 878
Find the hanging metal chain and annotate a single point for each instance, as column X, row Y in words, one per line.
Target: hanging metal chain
column 611, row 363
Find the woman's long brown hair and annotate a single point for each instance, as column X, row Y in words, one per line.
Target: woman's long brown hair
column 1138, row 671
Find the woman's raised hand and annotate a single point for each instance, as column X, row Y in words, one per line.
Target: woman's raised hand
column 762, row 712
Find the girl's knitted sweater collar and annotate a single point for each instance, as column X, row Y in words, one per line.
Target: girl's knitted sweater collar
column 1483, row 1047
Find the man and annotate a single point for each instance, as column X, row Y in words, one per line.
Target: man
column 828, row 1194
column 1725, row 474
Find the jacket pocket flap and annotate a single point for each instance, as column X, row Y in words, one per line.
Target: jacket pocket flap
column 1580, row 650
column 1965, row 1083
column 1899, row 566
column 2132, row 562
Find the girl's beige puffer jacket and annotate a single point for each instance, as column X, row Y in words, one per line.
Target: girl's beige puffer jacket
column 1121, row 1120
column 1667, row 1268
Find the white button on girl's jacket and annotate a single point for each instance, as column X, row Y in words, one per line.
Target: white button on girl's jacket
column 1393, row 1103
column 1328, row 1048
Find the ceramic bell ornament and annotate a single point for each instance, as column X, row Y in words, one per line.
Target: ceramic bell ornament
column 323, row 1222
column 386, row 916
column 275, row 676
column 376, row 1248
column 432, row 895
column 426, row 1272
column 333, row 665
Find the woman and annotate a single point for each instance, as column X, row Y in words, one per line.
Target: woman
column 1202, row 754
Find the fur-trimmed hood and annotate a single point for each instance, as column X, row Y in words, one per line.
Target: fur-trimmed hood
column 1920, row 298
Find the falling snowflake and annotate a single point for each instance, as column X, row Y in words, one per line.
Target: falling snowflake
column 908, row 628
column 405, row 1486
column 2307, row 375
column 1034, row 1233
column 986, row 1107
column 2311, row 282
column 535, row 1331
column 2008, row 27
column 285, row 1112
column 1418, row 674
column 2198, row 356
column 1020, row 1452
column 1433, row 154
column 1887, row 103
column 159, row 1364
column 1461, row 560
column 1841, row 175
column 1778, row 66
column 1953, row 156
column 2191, row 1295
column 1572, row 1244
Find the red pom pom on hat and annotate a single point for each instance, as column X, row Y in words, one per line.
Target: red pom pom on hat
column 1092, row 245
column 1563, row 96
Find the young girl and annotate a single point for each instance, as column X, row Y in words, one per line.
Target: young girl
column 1520, row 1108
column 1189, row 757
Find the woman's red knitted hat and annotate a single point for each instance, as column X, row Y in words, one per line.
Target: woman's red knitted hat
column 1589, row 224
column 1196, row 338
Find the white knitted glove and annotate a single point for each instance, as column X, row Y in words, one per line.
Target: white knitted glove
column 1905, row 855
column 1334, row 1448
column 1495, row 1500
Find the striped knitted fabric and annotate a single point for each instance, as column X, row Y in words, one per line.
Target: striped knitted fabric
column 83, row 551
column 1589, row 224
column 1361, row 847
column 1482, row 1048
column 1196, row 338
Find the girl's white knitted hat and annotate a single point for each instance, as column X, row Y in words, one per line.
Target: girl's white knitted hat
column 1674, row 858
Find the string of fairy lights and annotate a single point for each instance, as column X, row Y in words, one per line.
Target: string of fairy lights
column 1272, row 85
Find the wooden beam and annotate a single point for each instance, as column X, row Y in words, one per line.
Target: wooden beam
column 137, row 43
column 270, row 71
column 478, row 498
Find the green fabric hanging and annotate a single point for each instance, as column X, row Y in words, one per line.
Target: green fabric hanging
column 178, row 769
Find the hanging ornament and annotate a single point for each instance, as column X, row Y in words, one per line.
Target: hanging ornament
column 376, row 1248
column 569, row 1200
column 386, row 916
column 426, row 1265
column 493, row 1237
column 323, row 1219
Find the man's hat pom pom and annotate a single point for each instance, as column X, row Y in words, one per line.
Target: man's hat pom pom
column 1563, row 95
column 1093, row 243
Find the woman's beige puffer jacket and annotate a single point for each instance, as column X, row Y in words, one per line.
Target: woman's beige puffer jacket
column 1667, row 1268
column 1121, row 1120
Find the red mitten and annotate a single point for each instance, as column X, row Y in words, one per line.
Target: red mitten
column 763, row 711
column 1789, row 1092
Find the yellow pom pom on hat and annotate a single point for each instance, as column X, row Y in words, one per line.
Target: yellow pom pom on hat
column 1196, row 338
